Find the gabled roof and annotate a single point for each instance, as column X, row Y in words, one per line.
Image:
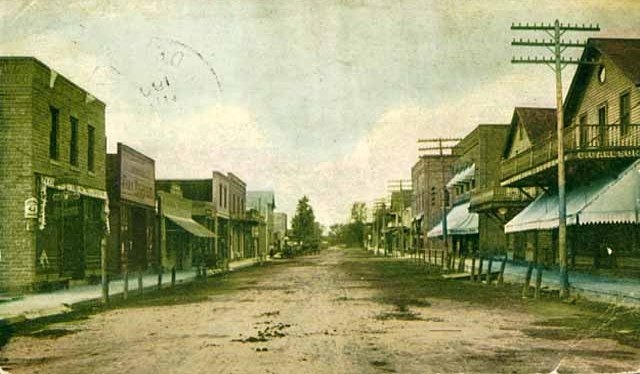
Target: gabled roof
column 539, row 123
column 623, row 53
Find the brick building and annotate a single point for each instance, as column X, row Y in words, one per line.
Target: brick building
column 52, row 177
column 428, row 178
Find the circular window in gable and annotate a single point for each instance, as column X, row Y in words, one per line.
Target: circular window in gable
column 602, row 74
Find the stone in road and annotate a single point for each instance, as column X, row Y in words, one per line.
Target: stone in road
column 307, row 315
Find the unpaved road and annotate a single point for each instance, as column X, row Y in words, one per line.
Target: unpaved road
column 308, row 315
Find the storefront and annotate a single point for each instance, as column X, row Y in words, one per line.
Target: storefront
column 184, row 242
column 131, row 187
column 603, row 225
column 72, row 221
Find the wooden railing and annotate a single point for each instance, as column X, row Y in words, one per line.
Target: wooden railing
column 497, row 195
column 619, row 141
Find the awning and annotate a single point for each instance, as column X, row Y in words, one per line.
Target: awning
column 602, row 201
column 459, row 222
column 465, row 176
column 191, row 226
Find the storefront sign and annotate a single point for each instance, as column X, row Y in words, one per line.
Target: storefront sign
column 137, row 176
column 31, row 208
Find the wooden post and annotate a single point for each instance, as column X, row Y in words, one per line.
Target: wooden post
column 103, row 270
column 479, row 277
column 527, row 281
column 462, row 264
column 502, row 268
column 125, row 273
column 140, row 286
column 173, row 276
column 489, row 270
column 473, row 266
column 160, row 277
column 538, row 281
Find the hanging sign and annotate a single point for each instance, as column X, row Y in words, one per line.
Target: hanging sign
column 31, row 208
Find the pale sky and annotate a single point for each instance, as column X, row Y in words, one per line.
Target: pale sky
column 317, row 98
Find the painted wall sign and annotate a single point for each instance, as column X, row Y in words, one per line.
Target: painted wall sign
column 137, row 177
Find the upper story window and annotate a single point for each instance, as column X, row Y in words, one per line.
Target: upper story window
column 73, row 146
column 220, row 195
column 625, row 112
column 53, row 133
column 91, row 148
column 602, row 115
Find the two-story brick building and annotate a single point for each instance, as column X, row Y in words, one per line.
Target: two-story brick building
column 53, row 201
column 602, row 143
column 428, row 178
column 474, row 228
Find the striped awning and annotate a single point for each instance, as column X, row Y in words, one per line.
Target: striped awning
column 602, row 201
column 465, row 176
column 459, row 222
column 191, row 226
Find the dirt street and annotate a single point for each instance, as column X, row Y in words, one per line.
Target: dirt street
column 327, row 313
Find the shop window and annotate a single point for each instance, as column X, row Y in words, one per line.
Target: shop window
column 53, row 133
column 73, row 146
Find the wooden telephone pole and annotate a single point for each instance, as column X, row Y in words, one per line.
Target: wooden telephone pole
column 443, row 144
column 556, row 46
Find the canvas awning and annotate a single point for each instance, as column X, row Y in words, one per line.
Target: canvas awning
column 464, row 176
column 191, row 226
column 602, row 201
column 459, row 222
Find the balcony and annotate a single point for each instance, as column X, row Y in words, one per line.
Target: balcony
column 497, row 197
column 581, row 143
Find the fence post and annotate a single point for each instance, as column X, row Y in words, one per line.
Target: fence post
column 481, row 260
column 502, row 268
column 527, row 280
column 538, row 281
column 473, row 266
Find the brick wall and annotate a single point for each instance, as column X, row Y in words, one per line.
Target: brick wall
column 25, row 122
column 17, row 263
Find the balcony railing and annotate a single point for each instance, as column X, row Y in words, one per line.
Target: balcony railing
column 580, row 141
column 497, row 196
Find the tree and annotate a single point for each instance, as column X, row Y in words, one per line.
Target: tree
column 303, row 226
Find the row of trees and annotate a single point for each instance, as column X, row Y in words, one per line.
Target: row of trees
column 351, row 234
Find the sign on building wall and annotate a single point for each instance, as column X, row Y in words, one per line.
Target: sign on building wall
column 137, row 176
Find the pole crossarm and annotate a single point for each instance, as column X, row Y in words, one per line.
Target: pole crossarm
column 551, row 26
column 547, row 43
column 551, row 60
column 437, row 140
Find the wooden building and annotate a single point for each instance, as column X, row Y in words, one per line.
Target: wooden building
column 602, row 142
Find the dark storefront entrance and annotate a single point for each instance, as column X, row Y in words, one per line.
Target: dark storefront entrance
column 69, row 244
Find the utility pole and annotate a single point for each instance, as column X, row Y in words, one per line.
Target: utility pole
column 557, row 63
column 442, row 145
